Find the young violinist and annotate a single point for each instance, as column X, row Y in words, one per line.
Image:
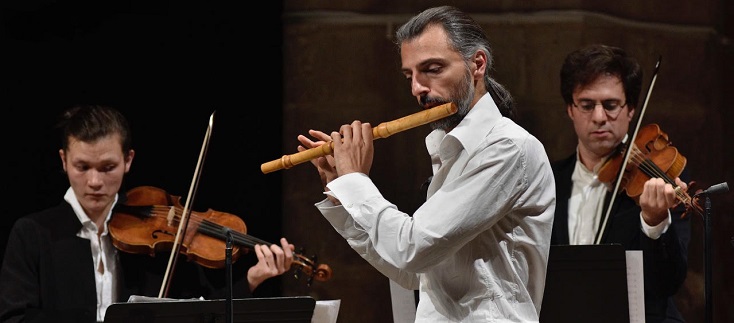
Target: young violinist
column 601, row 88
column 60, row 264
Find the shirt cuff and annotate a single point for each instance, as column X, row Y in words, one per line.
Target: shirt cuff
column 353, row 188
column 358, row 195
column 654, row 232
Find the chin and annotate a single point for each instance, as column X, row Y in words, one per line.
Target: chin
column 96, row 204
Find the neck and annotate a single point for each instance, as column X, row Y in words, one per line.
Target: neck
column 589, row 160
column 99, row 218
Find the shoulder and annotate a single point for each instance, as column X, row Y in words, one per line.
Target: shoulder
column 59, row 218
column 506, row 130
column 564, row 163
column 510, row 144
column 518, row 139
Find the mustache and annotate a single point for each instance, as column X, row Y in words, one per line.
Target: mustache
column 426, row 100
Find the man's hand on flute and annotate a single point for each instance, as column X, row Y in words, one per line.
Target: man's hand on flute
column 325, row 165
column 353, row 148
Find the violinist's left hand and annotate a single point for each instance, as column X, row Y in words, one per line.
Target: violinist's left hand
column 657, row 198
column 271, row 261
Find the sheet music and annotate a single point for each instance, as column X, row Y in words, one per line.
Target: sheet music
column 326, row 311
column 635, row 286
column 149, row 299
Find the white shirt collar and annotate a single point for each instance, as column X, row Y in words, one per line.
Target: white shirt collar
column 464, row 134
column 88, row 226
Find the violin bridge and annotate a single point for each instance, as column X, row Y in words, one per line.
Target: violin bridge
column 171, row 215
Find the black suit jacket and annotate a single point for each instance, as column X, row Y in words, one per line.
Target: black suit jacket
column 48, row 275
column 665, row 259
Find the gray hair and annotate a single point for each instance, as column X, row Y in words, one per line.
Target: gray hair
column 466, row 37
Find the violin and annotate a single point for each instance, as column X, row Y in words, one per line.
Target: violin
column 651, row 156
column 147, row 221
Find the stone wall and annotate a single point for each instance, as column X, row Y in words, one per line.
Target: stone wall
column 340, row 64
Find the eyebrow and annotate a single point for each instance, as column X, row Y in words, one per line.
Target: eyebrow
column 426, row 62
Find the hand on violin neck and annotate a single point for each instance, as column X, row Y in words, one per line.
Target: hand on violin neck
column 657, row 198
column 272, row 261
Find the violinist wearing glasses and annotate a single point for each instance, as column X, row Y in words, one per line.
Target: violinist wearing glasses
column 601, row 88
column 60, row 264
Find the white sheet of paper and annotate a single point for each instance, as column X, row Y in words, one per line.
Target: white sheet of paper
column 635, row 286
column 326, row 311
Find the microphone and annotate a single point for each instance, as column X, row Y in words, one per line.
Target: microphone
column 715, row 189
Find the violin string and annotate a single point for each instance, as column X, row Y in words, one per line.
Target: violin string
column 244, row 239
column 652, row 170
column 208, row 227
column 649, row 168
column 304, row 264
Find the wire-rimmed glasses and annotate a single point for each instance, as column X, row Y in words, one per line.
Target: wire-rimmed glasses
column 612, row 107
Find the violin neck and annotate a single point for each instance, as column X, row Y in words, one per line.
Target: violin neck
column 219, row 231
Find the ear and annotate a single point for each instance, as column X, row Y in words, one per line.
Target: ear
column 569, row 111
column 63, row 158
column 631, row 113
column 480, row 63
column 129, row 160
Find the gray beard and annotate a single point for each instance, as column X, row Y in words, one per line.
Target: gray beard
column 463, row 104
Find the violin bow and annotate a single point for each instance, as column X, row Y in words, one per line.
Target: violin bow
column 186, row 210
column 627, row 151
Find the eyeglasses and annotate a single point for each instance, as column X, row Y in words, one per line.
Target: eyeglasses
column 612, row 107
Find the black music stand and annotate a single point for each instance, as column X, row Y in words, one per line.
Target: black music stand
column 586, row 283
column 298, row 309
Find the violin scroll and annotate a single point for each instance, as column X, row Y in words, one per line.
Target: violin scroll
column 308, row 267
column 692, row 206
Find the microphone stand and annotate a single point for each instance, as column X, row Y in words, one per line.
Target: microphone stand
column 707, row 260
column 707, row 247
column 228, row 264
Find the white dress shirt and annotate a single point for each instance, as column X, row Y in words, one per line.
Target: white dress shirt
column 104, row 256
column 477, row 249
column 585, row 205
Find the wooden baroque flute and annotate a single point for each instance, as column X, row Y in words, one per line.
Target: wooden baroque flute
column 382, row 130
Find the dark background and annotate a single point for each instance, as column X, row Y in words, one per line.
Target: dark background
column 168, row 67
column 274, row 70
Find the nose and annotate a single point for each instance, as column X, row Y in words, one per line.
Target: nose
column 599, row 115
column 94, row 178
column 417, row 88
